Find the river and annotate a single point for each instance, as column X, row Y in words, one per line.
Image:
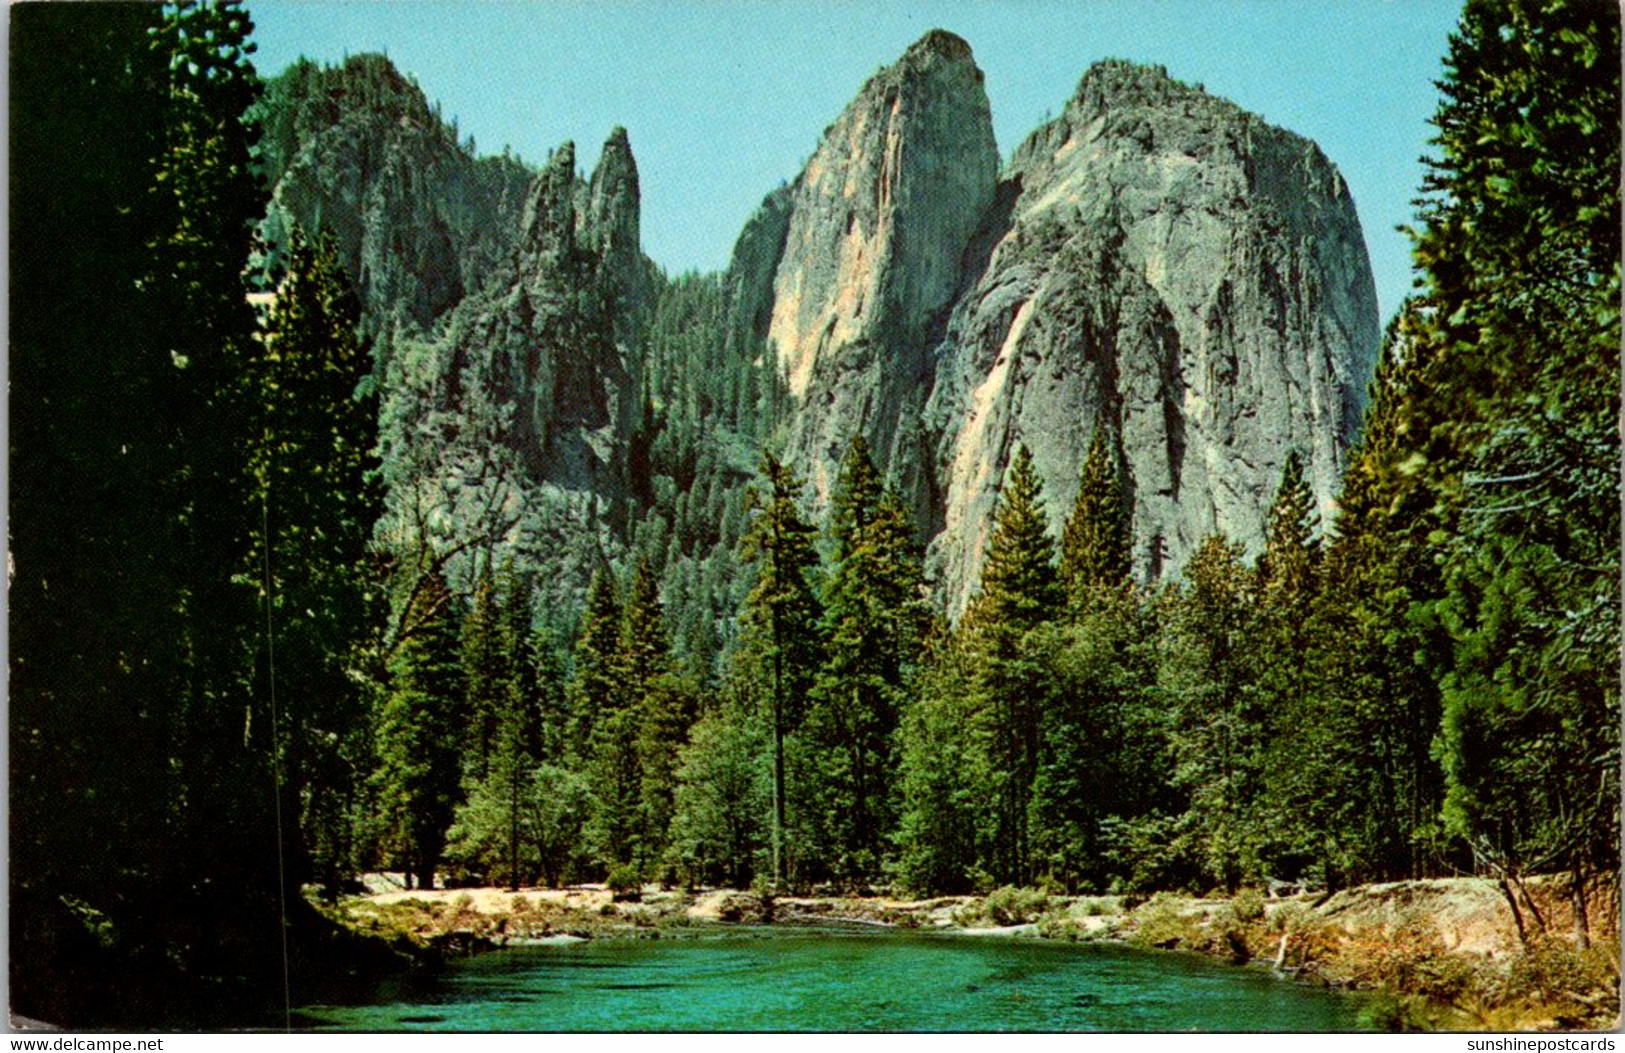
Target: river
column 830, row 980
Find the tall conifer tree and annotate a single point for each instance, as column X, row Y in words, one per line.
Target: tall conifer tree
column 1217, row 736
column 311, row 473
column 596, row 678
column 780, row 620
column 418, row 778
column 874, row 618
column 1019, row 593
column 1520, row 253
column 1095, row 546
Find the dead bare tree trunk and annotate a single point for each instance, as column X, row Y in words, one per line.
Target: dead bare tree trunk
column 1534, row 908
column 1577, row 897
column 1517, row 915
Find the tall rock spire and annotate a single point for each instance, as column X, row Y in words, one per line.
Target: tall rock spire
column 879, row 220
column 612, row 200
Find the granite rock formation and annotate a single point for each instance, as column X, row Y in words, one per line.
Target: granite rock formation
column 1173, row 268
column 878, row 222
column 555, row 332
column 1155, row 260
column 357, row 152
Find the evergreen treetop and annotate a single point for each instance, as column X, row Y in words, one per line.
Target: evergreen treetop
column 1095, row 545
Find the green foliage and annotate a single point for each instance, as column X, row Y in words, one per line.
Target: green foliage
column 1095, row 545
column 946, row 782
column 131, row 356
column 669, row 709
column 1520, row 250
column 1293, row 828
column 313, row 481
column 595, row 680
column 418, row 773
column 1286, row 570
column 624, row 882
column 1015, row 906
column 1102, row 755
column 874, row 619
column 1019, row 587
column 722, row 799
column 1019, row 593
column 1166, row 921
column 488, row 676
column 505, row 736
column 780, row 626
column 1217, row 733
column 1248, row 906
column 1436, row 689
column 521, row 828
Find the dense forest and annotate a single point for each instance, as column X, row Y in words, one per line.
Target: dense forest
column 250, row 659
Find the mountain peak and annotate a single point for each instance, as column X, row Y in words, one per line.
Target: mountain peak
column 613, row 199
column 549, row 217
column 939, row 43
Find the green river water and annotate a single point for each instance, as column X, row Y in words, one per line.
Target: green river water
column 823, row 980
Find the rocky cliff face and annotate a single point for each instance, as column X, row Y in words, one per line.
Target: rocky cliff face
column 1176, row 269
column 1155, row 260
column 555, row 333
column 877, row 224
column 357, row 152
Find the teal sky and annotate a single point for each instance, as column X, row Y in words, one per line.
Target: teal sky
column 725, row 99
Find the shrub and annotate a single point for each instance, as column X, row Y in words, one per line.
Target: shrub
column 1248, row 906
column 1015, row 906
column 1097, row 906
column 1552, row 969
column 624, row 883
column 1163, row 923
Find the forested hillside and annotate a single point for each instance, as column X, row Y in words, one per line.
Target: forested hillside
column 380, row 507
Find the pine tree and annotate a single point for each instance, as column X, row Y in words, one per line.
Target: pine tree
column 780, row 621
column 1291, row 545
column 204, row 199
column 1091, row 766
column 658, row 709
column 494, row 832
column 1217, row 734
column 668, row 712
column 135, row 206
column 1101, row 757
column 418, row 777
column 949, row 809
column 1019, row 593
column 1520, row 250
column 1095, row 546
column 644, row 649
column 311, row 469
column 1288, row 697
column 856, row 497
column 874, row 618
column 487, row 673
column 1019, row 588
column 595, row 678
column 93, row 669
column 1357, row 771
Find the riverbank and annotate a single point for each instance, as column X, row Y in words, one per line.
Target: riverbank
column 1443, row 954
